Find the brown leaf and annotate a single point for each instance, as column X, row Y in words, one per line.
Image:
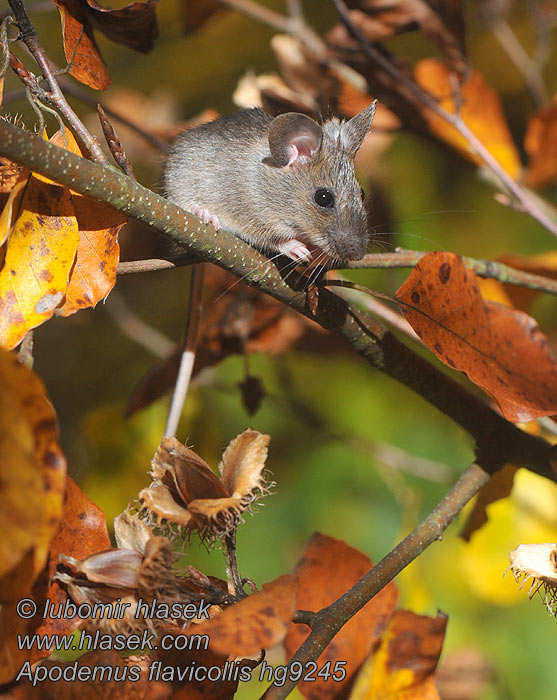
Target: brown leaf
column 378, row 20
column 501, row 350
column 403, row 666
column 480, row 109
column 257, row 622
column 80, row 46
column 134, row 25
column 541, row 145
column 464, row 674
column 499, row 486
column 328, row 568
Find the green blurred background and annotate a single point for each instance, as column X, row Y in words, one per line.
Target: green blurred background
column 322, row 412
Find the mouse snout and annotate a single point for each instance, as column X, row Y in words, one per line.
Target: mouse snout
column 348, row 245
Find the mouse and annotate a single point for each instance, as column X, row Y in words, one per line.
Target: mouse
column 284, row 184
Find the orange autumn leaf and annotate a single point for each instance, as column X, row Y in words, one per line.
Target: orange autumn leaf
column 328, row 568
column 480, row 110
column 134, row 25
column 94, row 272
column 500, row 349
column 80, row 47
column 541, row 145
column 257, row 622
column 403, row 666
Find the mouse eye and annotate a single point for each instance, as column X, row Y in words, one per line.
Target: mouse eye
column 362, row 193
column 324, row 198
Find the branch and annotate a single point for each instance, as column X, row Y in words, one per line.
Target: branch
column 496, row 438
column 330, row 620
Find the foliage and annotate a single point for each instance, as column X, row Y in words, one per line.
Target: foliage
column 275, row 350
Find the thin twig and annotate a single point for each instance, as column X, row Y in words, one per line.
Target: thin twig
column 229, row 542
column 488, row 269
column 55, row 95
column 195, row 303
column 154, row 264
column 522, row 61
column 531, row 206
column 331, row 619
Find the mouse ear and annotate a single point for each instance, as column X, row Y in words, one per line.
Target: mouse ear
column 293, row 138
column 354, row 131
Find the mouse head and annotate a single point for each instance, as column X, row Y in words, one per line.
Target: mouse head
column 321, row 198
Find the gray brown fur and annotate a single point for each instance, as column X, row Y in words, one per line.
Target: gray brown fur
column 226, row 167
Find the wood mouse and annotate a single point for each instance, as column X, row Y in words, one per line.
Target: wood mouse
column 285, row 185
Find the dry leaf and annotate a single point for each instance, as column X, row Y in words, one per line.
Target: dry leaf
column 328, row 568
column 80, row 46
column 440, row 20
column 257, row 622
column 480, row 109
column 403, row 666
column 134, row 25
column 499, row 486
column 501, row 350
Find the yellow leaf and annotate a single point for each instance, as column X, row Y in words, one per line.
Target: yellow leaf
column 403, row 666
column 41, row 248
column 480, row 109
column 32, row 476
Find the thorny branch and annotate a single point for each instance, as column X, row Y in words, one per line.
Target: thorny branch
column 494, row 435
column 327, row 622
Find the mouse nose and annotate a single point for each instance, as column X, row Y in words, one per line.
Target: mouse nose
column 349, row 245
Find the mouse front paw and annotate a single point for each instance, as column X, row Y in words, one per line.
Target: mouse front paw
column 206, row 217
column 295, row 250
